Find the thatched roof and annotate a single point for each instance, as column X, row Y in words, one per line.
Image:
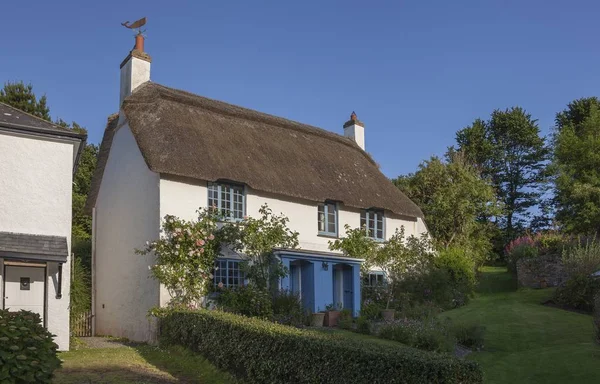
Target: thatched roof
column 187, row 135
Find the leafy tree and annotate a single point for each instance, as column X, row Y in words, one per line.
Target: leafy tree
column 576, row 165
column 82, row 182
column 255, row 239
column 509, row 150
column 455, row 200
column 20, row 95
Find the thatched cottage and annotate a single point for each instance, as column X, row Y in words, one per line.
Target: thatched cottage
column 168, row 151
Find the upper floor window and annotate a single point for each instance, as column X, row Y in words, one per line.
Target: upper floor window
column 228, row 274
column 373, row 279
column 327, row 219
column 372, row 221
column 228, row 199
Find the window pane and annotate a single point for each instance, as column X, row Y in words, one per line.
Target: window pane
column 363, row 219
column 321, row 217
column 331, row 226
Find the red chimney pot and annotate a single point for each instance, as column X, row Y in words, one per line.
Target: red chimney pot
column 139, row 42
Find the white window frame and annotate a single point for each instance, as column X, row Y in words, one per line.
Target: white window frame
column 326, row 213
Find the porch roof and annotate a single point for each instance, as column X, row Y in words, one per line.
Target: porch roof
column 317, row 255
column 29, row 247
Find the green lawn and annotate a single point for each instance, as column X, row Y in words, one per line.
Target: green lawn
column 137, row 364
column 526, row 342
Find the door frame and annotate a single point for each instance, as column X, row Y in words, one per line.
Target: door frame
column 28, row 265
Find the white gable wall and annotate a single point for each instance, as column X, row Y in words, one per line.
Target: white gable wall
column 127, row 215
column 36, row 177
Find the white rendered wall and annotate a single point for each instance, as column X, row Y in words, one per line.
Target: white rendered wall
column 36, row 177
column 127, row 215
column 356, row 133
column 182, row 197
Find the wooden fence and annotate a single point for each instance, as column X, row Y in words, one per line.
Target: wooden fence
column 81, row 324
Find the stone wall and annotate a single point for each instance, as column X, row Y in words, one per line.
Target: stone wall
column 541, row 272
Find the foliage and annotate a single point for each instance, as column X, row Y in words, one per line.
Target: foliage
column 520, row 248
column 454, row 199
column 185, row 256
column 578, row 292
column 420, row 311
column 21, row 96
column 262, row 352
column 459, row 271
column 596, row 318
column 355, row 244
column 363, row 325
column 576, row 165
column 80, row 289
column 27, row 352
column 469, row 335
column 583, row 258
column 345, row 320
column 246, row 300
column 509, row 150
column 429, row 335
column 256, row 238
column 288, row 309
column 371, row 310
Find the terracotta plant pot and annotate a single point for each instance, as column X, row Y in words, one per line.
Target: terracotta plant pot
column 543, row 284
column 331, row 318
column 388, row 314
column 317, row 319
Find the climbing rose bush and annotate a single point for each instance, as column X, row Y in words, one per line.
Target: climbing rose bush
column 185, row 256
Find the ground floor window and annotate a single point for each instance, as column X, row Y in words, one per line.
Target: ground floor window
column 228, row 274
column 373, row 279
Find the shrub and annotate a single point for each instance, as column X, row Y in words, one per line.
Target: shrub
column 257, row 351
column 521, row 248
column 469, row 335
column 247, row 300
column 287, row 308
column 363, row 325
column 27, row 352
column 597, row 318
column 345, row 319
column 459, row 271
column 371, row 310
column 578, row 292
column 429, row 335
column 421, row 311
column 582, row 258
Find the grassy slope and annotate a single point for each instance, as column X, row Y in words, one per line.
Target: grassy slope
column 138, row 364
column 526, row 342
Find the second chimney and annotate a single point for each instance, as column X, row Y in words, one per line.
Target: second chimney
column 355, row 130
column 135, row 69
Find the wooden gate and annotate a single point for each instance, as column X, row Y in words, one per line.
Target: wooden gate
column 81, row 324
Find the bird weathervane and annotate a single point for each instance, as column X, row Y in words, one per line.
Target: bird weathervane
column 136, row 25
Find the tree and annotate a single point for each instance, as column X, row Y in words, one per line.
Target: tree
column 455, row 200
column 509, row 150
column 576, row 166
column 21, row 96
column 82, row 182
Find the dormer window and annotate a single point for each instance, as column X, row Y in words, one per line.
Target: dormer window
column 228, row 199
column 372, row 221
column 327, row 219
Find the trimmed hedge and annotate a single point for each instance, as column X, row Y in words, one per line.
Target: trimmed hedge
column 258, row 351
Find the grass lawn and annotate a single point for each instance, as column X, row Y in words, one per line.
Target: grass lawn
column 137, row 364
column 526, row 342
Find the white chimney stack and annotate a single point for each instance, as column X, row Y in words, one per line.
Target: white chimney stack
column 355, row 130
column 135, row 69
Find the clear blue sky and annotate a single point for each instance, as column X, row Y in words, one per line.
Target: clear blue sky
column 414, row 71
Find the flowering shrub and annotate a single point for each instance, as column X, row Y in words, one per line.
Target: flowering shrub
column 520, row 248
column 185, row 256
column 27, row 352
column 247, row 300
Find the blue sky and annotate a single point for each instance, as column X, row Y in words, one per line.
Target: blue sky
column 414, row 71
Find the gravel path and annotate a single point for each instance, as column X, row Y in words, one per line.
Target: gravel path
column 104, row 342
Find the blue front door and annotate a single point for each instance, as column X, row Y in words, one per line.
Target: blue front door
column 348, row 288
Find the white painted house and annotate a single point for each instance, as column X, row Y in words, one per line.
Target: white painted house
column 168, row 151
column 37, row 163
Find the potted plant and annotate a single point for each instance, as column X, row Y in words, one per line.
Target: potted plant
column 332, row 315
column 317, row 318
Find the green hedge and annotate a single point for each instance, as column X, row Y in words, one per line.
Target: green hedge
column 258, row 351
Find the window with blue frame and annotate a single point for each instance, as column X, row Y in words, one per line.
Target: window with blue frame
column 228, row 273
column 327, row 219
column 372, row 221
column 228, row 199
